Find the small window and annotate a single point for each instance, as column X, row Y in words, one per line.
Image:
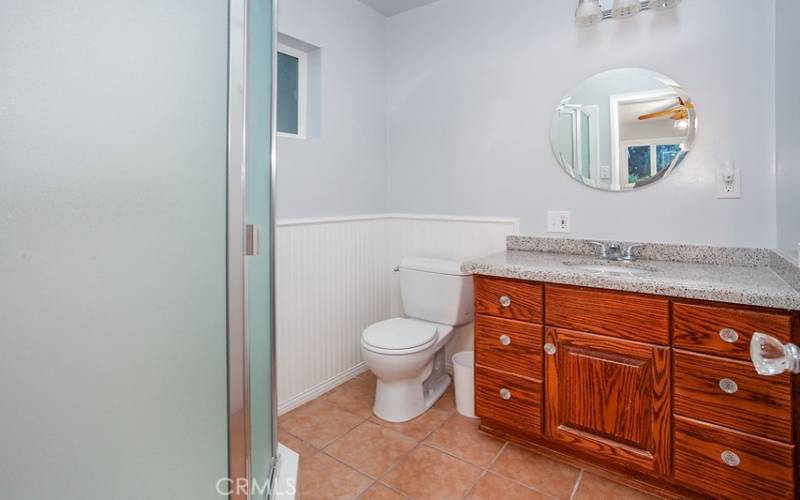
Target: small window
column 291, row 92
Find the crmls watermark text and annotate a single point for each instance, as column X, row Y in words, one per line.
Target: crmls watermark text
column 241, row 486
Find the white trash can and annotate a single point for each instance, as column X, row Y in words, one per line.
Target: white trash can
column 464, row 380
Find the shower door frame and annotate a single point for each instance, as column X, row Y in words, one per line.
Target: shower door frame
column 239, row 450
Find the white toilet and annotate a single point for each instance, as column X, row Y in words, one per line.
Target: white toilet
column 407, row 354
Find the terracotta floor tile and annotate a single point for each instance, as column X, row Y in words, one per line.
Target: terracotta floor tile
column 323, row 478
column 379, row 491
column 447, row 402
column 537, row 471
column 459, row 436
column 356, row 396
column 494, row 487
column 319, row 423
column 368, row 376
column 430, row 474
column 302, row 448
column 371, row 449
column 598, row 488
column 418, row 428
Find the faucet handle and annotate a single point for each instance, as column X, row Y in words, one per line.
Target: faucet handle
column 628, row 253
column 603, row 248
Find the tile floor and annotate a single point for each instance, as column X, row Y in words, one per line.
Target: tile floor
column 347, row 452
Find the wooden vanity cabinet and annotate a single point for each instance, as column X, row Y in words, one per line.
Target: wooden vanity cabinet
column 609, row 398
column 648, row 387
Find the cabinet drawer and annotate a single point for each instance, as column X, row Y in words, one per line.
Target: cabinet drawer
column 755, row 468
column 614, row 314
column 508, row 299
column 520, row 408
column 725, row 331
column 730, row 393
column 509, row 345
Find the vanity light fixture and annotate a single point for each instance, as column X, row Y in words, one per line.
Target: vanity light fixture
column 589, row 12
column 625, row 8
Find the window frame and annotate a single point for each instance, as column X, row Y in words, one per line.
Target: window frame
column 652, row 143
column 302, row 90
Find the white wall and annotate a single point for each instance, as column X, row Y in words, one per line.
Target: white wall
column 472, row 86
column 787, row 103
column 341, row 170
column 112, row 249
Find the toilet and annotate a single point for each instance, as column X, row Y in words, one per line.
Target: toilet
column 407, row 355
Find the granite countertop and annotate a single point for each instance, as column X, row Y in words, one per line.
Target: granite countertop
column 721, row 279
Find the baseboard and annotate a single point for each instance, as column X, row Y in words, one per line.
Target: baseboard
column 320, row 389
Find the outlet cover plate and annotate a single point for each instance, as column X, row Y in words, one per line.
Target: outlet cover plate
column 558, row 221
column 732, row 189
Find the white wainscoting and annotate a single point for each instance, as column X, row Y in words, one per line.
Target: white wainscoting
column 334, row 277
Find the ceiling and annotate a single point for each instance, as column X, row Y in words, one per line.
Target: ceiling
column 392, row 7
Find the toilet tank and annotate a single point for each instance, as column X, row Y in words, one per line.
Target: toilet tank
column 436, row 290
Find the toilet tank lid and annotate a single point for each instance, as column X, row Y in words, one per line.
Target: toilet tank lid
column 439, row 266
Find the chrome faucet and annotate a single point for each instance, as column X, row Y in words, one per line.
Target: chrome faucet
column 614, row 251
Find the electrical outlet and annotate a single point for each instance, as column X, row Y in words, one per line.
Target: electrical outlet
column 729, row 181
column 605, row 172
column 558, row 221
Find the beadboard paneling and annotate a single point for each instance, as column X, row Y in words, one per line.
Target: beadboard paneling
column 334, row 277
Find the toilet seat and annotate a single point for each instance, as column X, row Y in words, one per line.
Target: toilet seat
column 399, row 336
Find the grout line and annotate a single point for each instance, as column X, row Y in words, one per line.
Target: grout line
column 393, row 489
column 577, row 484
column 474, row 484
column 496, row 457
column 370, row 485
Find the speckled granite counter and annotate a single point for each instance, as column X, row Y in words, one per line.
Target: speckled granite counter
column 756, row 284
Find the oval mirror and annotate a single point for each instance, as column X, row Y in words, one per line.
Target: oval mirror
column 623, row 129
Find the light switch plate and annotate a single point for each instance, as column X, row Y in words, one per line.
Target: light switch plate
column 558, row 221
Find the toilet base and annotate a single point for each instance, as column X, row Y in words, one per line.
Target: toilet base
column 403, row 400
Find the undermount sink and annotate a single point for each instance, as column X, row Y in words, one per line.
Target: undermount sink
column 611, row 267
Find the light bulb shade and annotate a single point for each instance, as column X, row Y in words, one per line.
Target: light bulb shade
column 662, row 4
column 625, row 8
column 588, row 13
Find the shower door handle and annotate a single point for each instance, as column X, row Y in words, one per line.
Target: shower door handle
column 252, row 235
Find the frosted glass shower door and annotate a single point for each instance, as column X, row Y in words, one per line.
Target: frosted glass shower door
column 250, row 271
column 258, row 265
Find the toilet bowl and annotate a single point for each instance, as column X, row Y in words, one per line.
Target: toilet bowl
column 407, row 355
column 402, row 353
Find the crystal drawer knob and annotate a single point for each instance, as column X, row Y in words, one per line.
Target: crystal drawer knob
column 729, row 335
column 505, row 339
column 730, row 458
column 550, row 349
column 505, row 393
column 728, row 386
column 505, row 300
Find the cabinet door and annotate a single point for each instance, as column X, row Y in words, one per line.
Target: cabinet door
column 609, row 398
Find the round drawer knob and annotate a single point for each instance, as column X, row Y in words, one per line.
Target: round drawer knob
column 728, row 386
column 550, row 349
column 505, row 300
column 730, row 458
column 505, row 393
column 505, row 339
column 729, row 335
